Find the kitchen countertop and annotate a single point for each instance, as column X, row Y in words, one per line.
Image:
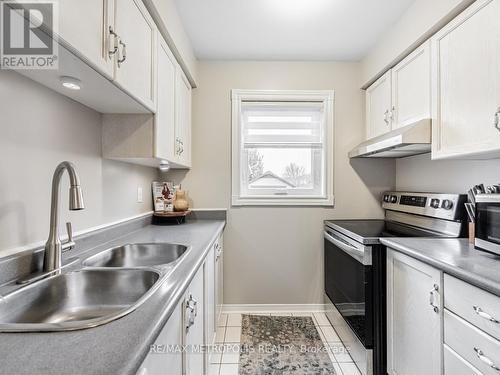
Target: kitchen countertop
column 455, row 257
column 118, row 347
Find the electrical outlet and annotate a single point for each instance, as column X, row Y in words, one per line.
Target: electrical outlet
column 139, row 195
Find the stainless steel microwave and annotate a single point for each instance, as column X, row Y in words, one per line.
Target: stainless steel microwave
column 488, row 223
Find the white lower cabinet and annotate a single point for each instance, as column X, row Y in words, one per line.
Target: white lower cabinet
column 162, row 359
column 456, row 365
column 191, row 327
column 211, row 309
column 437, row 323
column 194, row 324
column 414, row 317
column 219, row 277
column 476, row 347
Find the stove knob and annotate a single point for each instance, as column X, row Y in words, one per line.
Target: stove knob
column 387, row 198
column 394, row 199
column 435, row 203
column 447, row 204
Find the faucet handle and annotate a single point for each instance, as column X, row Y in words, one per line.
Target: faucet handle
column 69, row 244
column 69, row 230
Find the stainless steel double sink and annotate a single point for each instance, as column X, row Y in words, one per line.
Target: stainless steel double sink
column 110, row 285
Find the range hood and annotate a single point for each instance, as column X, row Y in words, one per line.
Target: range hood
column 409, row 140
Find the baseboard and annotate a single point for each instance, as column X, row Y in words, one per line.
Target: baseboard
column 267, row 308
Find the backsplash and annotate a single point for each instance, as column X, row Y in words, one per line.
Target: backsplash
column 420, row 173
column 41, row 128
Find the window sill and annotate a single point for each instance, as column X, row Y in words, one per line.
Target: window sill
column 297, row 202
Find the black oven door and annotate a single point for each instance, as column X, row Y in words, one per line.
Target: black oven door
column 348, row 283
column 488, row 225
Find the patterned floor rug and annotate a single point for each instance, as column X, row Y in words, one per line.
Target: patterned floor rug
column 282, row 345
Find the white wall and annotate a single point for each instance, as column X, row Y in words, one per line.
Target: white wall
column 419, row 173
column 421, row 20
column 40, row 128
column 274, row 255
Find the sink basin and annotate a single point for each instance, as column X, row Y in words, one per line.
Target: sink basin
column 137, row 255
column 76, row 300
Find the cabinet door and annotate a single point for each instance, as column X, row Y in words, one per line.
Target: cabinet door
column 163, row 362
column 211, row 319
column 414, row 325
column 183, row 119
column 195, row 327
column 219, row 276
column 466, row 84
column 411, row 88
column 84, row 26
column 135, row 60
column 378, row 105
column 165, row 113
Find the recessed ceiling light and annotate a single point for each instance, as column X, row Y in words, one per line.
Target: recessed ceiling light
column 71, row 83
column 164, row 166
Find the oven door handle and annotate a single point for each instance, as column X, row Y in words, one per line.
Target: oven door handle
column 353, row 251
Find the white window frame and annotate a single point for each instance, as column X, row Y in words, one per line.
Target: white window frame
column 326, row 97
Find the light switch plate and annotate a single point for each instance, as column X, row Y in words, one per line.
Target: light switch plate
column 139, row 195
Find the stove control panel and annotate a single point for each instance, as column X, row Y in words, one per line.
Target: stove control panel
column 438, row 205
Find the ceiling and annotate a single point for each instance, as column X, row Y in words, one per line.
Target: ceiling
column 287, row 29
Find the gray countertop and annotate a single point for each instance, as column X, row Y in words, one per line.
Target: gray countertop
column 118, row 347
column 455, row 257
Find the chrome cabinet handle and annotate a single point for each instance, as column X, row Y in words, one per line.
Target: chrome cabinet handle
column 496, row 120
column 123, row 53
column 479, row 311
column 488, row 361
column 386, row 120
column 178, row 147
column 192, row 306
column 431, row 298
column 113, row 42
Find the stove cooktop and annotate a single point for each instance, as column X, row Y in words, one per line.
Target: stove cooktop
column 370, row 231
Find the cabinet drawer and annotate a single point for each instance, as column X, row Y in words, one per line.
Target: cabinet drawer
column 456, row 365
column 475, row 305
column 476, row 347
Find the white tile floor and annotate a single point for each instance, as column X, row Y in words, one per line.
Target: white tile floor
column 229, row 331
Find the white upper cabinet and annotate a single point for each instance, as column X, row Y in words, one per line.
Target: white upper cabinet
column 136, row 50
column 84, row 26
column 411, row 88
column 414, row 317
column 378, row 107
column 183, row 120
column 402, row 95
column 166, row 136
column 165, row 113
column 466, row 84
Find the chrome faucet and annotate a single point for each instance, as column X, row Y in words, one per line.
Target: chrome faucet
column 54, row 247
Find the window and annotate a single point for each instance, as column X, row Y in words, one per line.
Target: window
column 282, row 148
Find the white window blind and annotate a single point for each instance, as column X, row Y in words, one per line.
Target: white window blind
column 283, row 151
